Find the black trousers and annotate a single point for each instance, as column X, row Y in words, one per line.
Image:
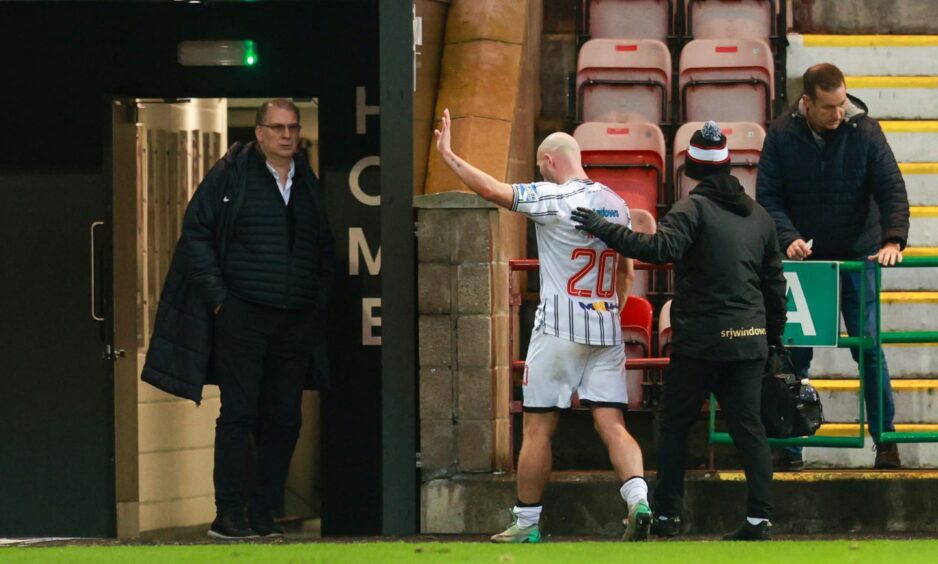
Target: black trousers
column 261, row 358
column 738, row 388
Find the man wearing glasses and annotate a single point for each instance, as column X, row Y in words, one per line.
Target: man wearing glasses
column 255, row 263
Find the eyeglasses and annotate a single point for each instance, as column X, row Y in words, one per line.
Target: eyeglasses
column 281, row 128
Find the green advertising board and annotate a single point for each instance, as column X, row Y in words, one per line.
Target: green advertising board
column 813, row 304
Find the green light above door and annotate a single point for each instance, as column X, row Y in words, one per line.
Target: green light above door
column 223, row 53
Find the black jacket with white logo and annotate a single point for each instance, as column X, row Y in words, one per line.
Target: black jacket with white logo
column 729, row 301
column 179, row 359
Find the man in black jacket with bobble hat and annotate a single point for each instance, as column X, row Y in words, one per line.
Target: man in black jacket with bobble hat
column 729, row 307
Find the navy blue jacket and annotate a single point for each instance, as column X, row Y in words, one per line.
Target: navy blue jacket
column 849, row 197
column 179, row 359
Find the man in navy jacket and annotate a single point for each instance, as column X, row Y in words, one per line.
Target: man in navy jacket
column 831, row 183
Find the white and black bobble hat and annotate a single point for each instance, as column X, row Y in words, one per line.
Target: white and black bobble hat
column 707, row 153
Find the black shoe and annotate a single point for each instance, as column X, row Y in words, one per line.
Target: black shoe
column 265, row 526
column 787, row 461
column 887, row 456
column 750, row 532
column 664, row 526
column 231, row 526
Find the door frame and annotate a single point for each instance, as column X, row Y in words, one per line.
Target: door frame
column 400, row 491
column 123, row 172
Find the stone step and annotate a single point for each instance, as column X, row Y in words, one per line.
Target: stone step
column 912, row 279
column 865, row 16
column 896, row 97
column 588, row 503
column 904, row 361
column 895, row 75
column 912, row 141
column 865, row 54
column 923, row 223
column 916, row 404
column 913, row 455
column 901, row 311
column 908, row 311
column 921, row 181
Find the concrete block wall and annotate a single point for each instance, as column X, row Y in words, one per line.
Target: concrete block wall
column 864, row 16
column 558, row 63
column 463, row 248
column 489, row 82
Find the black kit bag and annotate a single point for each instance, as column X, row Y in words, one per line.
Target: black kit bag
column 789, row 409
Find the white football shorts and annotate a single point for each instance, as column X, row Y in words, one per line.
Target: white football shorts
column 555, row 368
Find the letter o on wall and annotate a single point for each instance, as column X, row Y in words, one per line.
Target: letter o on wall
column 355, row 186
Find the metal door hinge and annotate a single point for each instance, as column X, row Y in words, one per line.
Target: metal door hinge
column 110, row 353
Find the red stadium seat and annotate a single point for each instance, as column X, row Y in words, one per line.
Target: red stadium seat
column 744, row 141
column 642, row 222
column 664, row 330
column 727, row 80
column 632, row 19
column 615, row 76
column 627, row 157
column 636, row 332
column 731, row 19
column 636, row 320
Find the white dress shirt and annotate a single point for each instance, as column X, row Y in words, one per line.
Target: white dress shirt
column 285, row 187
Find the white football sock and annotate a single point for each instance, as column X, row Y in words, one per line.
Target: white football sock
column 527, row 516
column 634, row 491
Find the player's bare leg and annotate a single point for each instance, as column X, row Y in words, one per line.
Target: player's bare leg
column 534, row 466
column 535, row 460
column 626, row 458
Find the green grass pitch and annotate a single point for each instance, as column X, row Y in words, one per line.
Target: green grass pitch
column 688, row 552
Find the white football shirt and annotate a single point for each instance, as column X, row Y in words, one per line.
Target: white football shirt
column 577, row 271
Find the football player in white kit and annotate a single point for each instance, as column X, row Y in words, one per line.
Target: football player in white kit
column 576, row 344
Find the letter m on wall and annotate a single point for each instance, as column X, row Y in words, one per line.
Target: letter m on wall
column 358, row 246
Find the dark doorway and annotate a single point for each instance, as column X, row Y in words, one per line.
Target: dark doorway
column 57, row 469
column 57, row 436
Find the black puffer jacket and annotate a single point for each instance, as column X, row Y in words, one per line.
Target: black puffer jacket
column 849, row 197
column 180, row 353
column 729, row 302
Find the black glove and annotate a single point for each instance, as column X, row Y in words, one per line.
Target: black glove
column 775, row 342
column 590, row 221
column 775, row 362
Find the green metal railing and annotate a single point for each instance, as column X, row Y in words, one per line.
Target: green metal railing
column 861, row 342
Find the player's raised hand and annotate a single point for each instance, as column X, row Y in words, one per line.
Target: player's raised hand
column 442, row 135
column 589, row 221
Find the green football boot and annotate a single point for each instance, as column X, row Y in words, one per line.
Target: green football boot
column 516, row 534
column 638, row 523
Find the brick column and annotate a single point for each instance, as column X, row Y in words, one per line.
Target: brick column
column 463, row 247
column 489, row 81
column 481, row 82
